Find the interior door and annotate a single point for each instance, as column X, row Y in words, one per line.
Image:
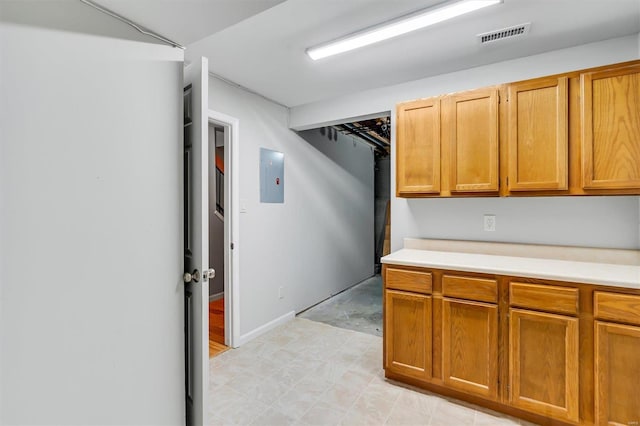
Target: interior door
column 196, row 240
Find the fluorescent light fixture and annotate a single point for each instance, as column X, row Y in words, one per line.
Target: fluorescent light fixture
column 406, row 24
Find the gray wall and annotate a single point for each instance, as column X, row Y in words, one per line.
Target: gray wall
column 583, row 221
column 91, row 316
column 309, row 245
column 216, row 226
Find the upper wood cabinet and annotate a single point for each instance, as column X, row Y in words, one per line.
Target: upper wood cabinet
column 537, row 140
column 576, row 133
column 611, row 128
column 418, row 147
column 470, row 136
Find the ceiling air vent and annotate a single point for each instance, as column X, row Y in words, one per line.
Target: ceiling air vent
column 505, row 33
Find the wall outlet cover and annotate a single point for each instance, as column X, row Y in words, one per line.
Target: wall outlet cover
column 490, row 222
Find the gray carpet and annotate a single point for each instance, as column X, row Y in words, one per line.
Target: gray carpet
column 358, row 308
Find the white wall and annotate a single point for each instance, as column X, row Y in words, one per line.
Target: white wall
column 91, row 325
column 307, row 244
column 582, row 221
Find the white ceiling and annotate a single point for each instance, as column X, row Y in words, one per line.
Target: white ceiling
column 260, row 44
column 266, row 52
column 186, row 21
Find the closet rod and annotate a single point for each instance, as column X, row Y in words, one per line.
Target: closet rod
column 132, row 24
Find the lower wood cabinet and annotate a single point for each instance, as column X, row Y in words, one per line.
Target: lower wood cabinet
column 470, row 346
column 543, row 363
column 407, row 328
column 617, row 374
column 549, row 352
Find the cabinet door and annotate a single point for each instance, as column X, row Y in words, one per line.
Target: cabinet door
column 470, row 347
column 470, row 125
column 611, row 128
column 418, row 147
column 538, row 135
column 407, row 334
column 617, row 375
column 543, row 363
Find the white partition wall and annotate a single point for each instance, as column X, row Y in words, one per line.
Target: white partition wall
column 91, row 309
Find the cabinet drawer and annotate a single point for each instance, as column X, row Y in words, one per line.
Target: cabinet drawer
column 472, row 288
column 561, row 300
column 408, row 280
column 617, row 307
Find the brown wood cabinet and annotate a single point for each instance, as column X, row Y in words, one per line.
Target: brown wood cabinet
column 418, row 147
column 576, row 133
column 611, row 128
column 470, row 346
column 543, row 363
column 549, row 352
column 617, row 372
column 470, row 136
column 408, row 334
column 617, row 358
column 537, row 139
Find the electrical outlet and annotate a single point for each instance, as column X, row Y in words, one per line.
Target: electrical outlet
column 489, row 222
column 280, row 293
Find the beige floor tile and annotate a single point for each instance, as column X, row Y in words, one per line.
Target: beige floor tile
column 375, row 403
column 273, row 417
column 310, row 373
column 304, row 395
column 329, row 371
column 413, row 408
column 356, row 379
column 408, row 418
column 265, row 390
column 341, row 395
column 322, row 414
column 447, row 413
column 232, row 408
column 494, row 419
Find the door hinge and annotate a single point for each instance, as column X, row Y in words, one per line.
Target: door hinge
column 232, row 246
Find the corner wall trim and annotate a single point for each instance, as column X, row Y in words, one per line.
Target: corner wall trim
column 129, row 22
column 245, row 338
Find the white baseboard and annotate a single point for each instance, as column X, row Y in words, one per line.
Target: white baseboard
column 266, row 327
column 216, row 296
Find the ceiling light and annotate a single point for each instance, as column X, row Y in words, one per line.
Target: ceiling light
column 406, row 24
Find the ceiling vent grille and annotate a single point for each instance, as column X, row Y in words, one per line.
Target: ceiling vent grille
column 505, row 33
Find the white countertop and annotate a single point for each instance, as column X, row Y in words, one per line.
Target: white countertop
column 627, row 276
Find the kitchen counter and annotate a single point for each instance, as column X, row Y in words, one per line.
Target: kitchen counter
column 589, row 272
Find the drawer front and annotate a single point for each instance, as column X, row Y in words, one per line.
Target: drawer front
column 471, row 288
column 561, row 300
column 408, row 280
column 617, row 307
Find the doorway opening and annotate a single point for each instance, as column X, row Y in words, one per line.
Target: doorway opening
column 222, row 172
column 354, row 145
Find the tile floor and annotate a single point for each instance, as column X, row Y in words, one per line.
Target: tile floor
column 310, row 373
